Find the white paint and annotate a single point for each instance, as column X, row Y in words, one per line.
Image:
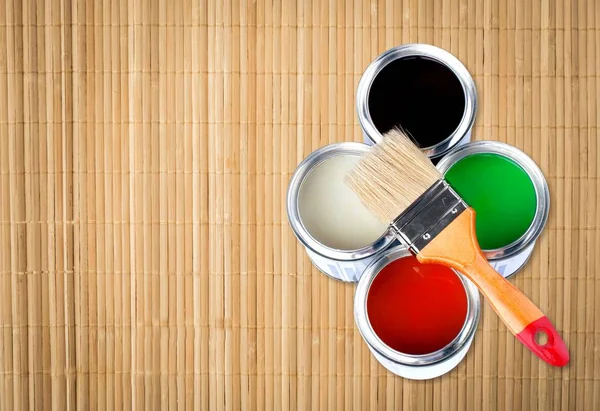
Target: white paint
column 331, row 212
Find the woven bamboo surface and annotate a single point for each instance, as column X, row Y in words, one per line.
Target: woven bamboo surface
column 145, row 149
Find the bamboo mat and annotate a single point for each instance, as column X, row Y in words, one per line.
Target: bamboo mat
column 145, row 149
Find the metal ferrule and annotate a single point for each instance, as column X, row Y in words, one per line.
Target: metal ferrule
column 424, row 219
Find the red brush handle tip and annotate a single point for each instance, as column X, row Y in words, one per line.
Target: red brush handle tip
column 554, row 351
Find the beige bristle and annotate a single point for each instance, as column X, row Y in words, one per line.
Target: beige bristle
column 392, row 176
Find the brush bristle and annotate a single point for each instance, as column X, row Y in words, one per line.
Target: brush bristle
column 392, row 176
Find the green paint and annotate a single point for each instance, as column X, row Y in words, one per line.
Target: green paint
column 501, row 193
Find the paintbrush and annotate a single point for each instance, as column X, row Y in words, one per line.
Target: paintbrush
column 399, row 184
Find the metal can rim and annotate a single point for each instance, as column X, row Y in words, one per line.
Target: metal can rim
column 372, row 339
column 433, row 53
column 301, row 172
column 537, row 178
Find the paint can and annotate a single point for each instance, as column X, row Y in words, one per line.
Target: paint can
column 345, row 262
column 423, row 89
column 520, row 200
column 414, row 366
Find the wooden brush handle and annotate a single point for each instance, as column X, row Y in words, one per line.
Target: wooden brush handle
column 456, row 246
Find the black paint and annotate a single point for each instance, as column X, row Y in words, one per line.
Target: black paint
column 422, row 96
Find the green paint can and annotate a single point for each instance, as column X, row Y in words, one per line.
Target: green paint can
column 509, row 194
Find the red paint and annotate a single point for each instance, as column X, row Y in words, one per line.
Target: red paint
column 416, row 308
